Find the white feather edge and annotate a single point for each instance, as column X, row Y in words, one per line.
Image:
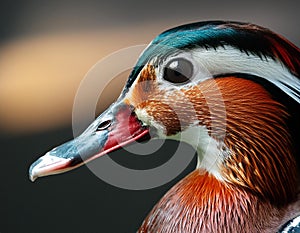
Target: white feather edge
column 228, row 59
column 293, row 224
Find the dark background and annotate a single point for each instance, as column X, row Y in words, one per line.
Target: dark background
column 78, row 201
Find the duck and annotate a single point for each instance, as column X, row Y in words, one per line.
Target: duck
column 232, row 91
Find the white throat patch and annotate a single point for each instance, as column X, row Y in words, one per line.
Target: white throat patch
column 210, row 152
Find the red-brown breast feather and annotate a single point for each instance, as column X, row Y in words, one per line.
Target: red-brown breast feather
column 201, row 203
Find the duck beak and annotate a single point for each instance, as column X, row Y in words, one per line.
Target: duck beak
column 118, row 126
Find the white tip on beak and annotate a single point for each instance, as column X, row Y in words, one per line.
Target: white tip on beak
column 48, row 165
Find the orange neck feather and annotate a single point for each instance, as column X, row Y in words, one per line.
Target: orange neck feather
column 256, row 134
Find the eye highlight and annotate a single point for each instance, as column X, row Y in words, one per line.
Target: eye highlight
column 178, row 70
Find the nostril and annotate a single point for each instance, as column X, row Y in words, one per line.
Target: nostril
column 104, row 125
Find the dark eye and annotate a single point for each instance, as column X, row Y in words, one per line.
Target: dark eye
column 178, row 70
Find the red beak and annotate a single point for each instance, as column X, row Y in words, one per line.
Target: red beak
column 117, row 127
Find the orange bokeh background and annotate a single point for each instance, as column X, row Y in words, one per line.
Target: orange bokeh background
column 52, row 47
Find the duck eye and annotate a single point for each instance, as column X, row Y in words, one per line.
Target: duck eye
column 178, row 70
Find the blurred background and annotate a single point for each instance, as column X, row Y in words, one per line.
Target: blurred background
column 46, row 48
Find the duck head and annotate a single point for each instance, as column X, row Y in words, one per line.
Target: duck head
column 214, row 85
